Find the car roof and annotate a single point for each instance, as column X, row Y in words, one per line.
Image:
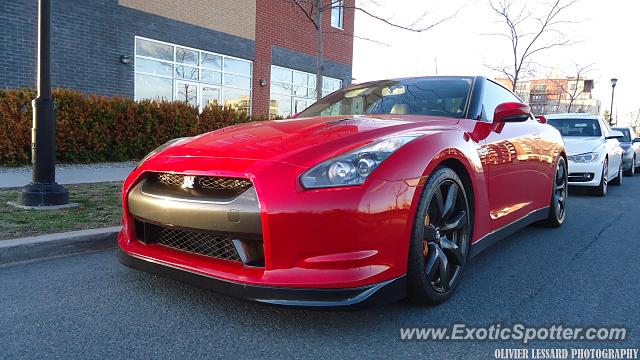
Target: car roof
column 572, row 116
column 416, row 78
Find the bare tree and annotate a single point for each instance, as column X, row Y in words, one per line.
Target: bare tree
column 529, row 32
column 315, row 10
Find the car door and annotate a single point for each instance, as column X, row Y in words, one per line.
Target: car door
column 516, row 182
column 613, row 148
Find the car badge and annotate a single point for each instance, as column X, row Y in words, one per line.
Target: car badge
column 188, row 182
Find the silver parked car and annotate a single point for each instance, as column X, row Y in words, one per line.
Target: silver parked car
column 631, row 145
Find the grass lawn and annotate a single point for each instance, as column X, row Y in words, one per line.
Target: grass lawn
column 100, row 206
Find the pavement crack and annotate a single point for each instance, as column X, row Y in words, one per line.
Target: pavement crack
column 586, row 247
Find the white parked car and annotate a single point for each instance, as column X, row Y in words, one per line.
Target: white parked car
column 594, row 152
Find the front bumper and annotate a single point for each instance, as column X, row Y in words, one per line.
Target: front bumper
column 380, row 293
column 585, row 174
column 350, row 241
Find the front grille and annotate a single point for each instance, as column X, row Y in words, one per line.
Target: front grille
column 206, row 182
column 170, row 179
column 217, row 246
column 209, row 182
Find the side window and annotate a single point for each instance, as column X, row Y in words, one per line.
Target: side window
column 493, row 96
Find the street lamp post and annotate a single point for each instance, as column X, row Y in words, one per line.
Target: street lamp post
column 43, row 190
column 614, row 82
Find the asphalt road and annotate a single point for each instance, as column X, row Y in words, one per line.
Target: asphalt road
column 89, row 306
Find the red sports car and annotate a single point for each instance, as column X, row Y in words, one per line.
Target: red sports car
column 377, row 192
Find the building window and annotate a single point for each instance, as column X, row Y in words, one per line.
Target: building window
column 293, row 91
column 176, row 73
column 337, row 14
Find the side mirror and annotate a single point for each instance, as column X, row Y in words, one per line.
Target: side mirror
column 615, row 134
column 511, row 112
column 636, row 140
column 542, row 119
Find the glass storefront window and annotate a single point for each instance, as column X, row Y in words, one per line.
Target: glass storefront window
column 187, row 72
column 211, row 61
column 280, row 105
column 154, row 67
column 154, row 49
column 237, row 99
column 153, row 87
column 293, row 91
column 209, row 76
column 201, row 78
column 237, row 66
column 187, row 56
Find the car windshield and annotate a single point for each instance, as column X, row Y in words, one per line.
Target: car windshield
column 425, row 96
column 626, row 132
column 577, row 127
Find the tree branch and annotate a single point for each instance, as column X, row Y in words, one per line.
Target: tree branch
column 306, row 13
column 411, row 27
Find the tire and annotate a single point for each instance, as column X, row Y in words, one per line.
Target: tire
column 432, row 238
column 601, row 190
column 617, row 181
column 558, row 206
column 632, row 169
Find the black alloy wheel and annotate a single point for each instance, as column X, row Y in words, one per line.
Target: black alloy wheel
column 558, row 206
column 441, row 241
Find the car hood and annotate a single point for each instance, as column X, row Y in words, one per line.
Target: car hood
column 581, row 145
column 304, row 141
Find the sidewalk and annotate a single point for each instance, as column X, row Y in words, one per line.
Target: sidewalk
column 69, row 174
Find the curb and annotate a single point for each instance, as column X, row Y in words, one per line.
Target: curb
column 51, row 245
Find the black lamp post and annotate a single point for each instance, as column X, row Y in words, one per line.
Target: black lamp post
column 614, row 82
column 43, row 190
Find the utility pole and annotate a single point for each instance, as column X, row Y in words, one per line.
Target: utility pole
column 43, row 190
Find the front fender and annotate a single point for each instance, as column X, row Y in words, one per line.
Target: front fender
column 415, row 161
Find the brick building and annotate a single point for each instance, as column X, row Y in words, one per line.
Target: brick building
column 258, row 55
column 557, row 96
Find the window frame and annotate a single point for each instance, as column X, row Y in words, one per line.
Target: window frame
column 337, row 9
column 174, row 63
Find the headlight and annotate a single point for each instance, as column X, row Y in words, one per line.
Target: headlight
column 585, row 158
column 354, row 167
column 160, row 148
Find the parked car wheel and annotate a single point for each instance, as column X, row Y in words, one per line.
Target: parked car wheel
column 632, row 169
column 617, row 181
column 558, row 207
column 601, row 190
column 441, row 239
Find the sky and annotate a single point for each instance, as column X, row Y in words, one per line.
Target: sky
column 606, row 34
